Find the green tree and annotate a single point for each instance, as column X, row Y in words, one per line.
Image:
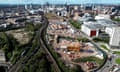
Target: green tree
column 29, row 27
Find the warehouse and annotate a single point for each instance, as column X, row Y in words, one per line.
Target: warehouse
column 91, row 30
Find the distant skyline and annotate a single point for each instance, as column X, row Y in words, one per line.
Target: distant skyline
column 59, row 1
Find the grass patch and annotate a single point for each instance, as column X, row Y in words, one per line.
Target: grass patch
column 104, row 47
column 116, row 52
column 90, row 58
column 117, row 61
column 117, row 19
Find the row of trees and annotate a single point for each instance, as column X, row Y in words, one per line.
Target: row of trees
column 83, row 39
column 30, row 27
column 11, row 46
column 97, row 39
column 117, row 19
column 13, row 50
column 75, row 24
column 38, row 63
column 8, row 44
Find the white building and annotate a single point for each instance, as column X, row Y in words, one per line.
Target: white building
column 106, row 22
column 90, row 30
column 26, row 7
column 63, row 46
column 109, row 30
column 115, row 37
column 75, row 7
column 71, row 30
column 102, row 16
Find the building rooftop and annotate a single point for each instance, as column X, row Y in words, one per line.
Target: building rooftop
column 94, row 26
column 106, row 22
column 2, row 22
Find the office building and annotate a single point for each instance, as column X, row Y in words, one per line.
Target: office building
column 115, row 37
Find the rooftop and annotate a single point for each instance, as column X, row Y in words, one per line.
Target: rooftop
column 94, row 26
column 106, row 22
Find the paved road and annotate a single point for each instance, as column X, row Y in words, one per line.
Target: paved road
column 108, row 65
column 5, row 64
column 45, row 47
column 19, row 64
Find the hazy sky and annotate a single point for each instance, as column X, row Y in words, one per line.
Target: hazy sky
column 58, row 1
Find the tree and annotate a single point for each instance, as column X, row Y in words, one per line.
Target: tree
column 29, row 27
column 83, row 39
column 75, row 24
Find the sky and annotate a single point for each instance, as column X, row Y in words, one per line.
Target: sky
column 59, row 1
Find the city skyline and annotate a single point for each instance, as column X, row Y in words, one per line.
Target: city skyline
column 59, row 1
